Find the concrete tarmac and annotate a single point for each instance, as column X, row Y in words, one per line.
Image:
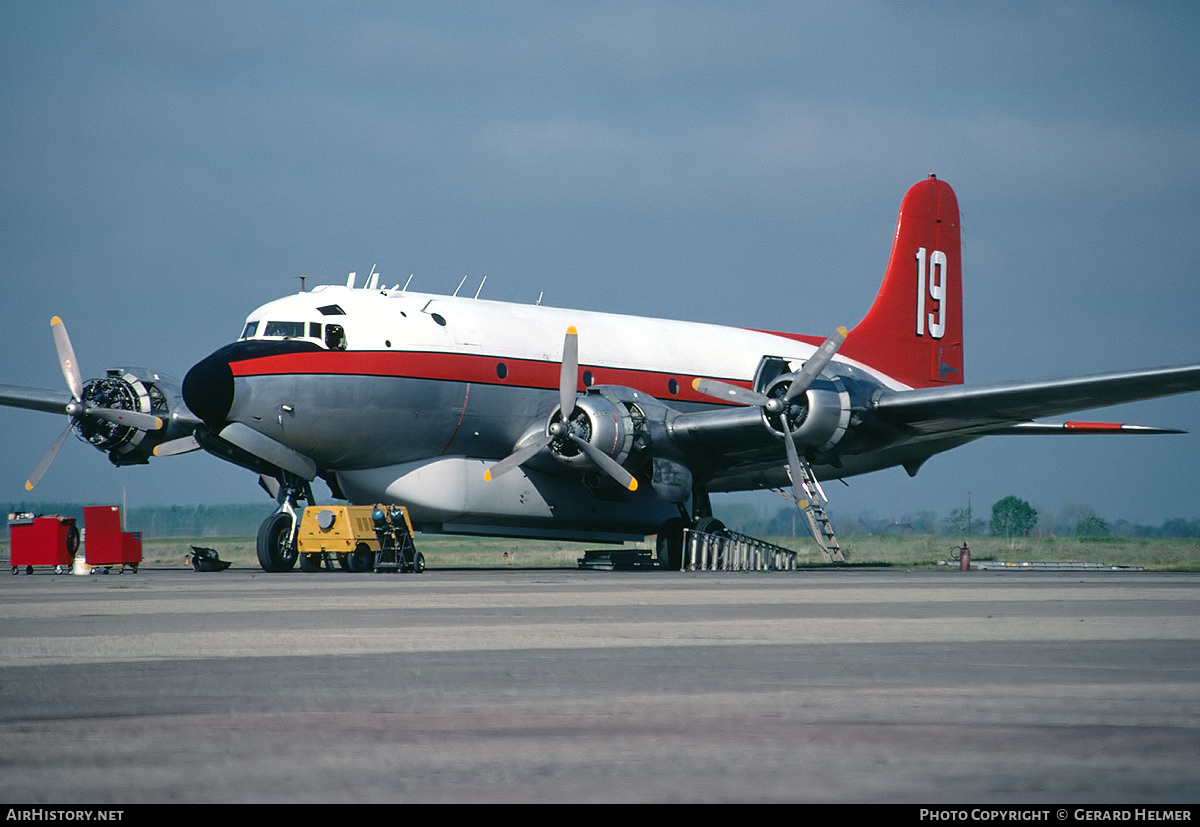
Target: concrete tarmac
column 590, row 686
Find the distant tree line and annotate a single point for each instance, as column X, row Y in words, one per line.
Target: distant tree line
column 1015, row 515
column 1008, row 517
column 241, row 520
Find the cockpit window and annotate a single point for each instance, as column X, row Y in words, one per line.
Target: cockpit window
column 335, row 337
column 290, row 330
column 249, row 331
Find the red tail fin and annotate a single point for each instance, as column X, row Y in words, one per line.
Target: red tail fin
column 914, row 330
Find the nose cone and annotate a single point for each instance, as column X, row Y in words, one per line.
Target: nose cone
column 208, row 388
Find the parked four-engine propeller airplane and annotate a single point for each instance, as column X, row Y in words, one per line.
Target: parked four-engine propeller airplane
column 480, row 417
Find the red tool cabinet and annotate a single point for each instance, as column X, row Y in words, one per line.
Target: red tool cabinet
column 49, row 540
column 104, row 544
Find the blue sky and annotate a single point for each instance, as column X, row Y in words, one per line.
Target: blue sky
column 165, row 168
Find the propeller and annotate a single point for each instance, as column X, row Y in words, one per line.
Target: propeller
column 779, row 407
column 561, row 428
column 77, row 409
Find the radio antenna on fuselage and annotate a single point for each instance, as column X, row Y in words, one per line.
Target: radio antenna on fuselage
column 480, row 290
column 410, row 277
column 460, row 284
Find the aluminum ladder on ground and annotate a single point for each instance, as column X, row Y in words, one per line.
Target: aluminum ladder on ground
column 730, row 551
column 818, row 520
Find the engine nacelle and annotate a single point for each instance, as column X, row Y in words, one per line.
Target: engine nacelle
column 141, row 391
column 605, row 423
column 818, row 419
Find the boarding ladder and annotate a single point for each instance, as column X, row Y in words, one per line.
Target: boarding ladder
column 818, row 520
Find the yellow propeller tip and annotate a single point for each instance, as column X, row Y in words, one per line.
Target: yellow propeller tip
column 28, row 485
column 487, row 475
column 802, row 504
column 696, row 384
column 633, row 485
column 842, row 331
column 571, row 331
column 55, row 321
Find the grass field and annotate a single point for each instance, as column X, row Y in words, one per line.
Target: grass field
column 440, row 551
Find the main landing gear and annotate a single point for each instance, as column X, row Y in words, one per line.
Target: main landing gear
column 669, row 546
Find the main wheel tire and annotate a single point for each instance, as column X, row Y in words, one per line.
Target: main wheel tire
column 669, row 546
column 276, row 547
column 714, row 527
column 709, row 525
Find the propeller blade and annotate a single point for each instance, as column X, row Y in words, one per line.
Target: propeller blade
column 609, row 465
column 517, row 457
column 734, row 393
column 134, row 419
column 568, row 378
column 44, row 464
column 66, row 357
column 813, row 367
column 793, row 459
column 177, row 446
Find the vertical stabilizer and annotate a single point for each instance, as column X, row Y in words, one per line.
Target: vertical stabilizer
column 914, row 330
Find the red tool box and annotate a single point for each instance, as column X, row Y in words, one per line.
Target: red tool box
column 48, row 540
column 105, row 544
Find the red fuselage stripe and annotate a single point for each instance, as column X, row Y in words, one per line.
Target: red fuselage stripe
column 470, row 368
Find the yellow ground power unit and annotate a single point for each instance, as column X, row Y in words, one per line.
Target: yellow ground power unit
column 360, row 537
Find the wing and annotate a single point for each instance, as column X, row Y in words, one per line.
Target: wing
column 1009, row 407
column 34, row 399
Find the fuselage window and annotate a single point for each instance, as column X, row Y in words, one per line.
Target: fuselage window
column 290, row 330
column 314, row 330
column 249, row 331
column 335, row 337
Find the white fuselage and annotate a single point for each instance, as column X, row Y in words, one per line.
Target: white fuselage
column 410, row 396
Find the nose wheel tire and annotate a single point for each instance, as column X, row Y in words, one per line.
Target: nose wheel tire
column 276, row 545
